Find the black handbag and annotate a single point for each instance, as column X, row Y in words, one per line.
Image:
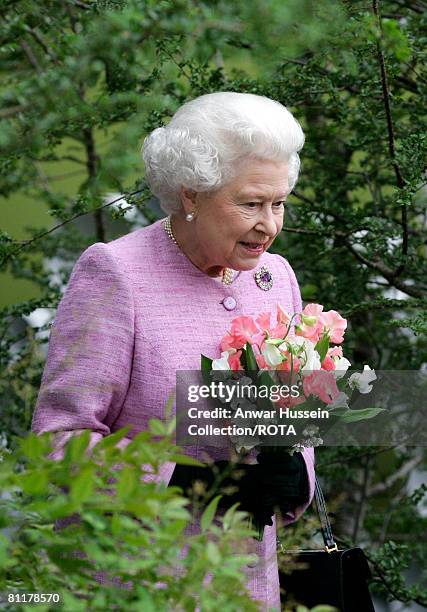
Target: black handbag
column 331, row 576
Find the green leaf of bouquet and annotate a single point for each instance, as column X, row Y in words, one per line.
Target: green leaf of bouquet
column 264, row 379
column 251, row 363
column 322, row 346
column 360, row 415
column 205, row 363
column 209, row 513
column 206, row 368
column 339, row 411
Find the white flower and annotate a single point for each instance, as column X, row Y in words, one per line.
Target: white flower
column 342, row 364
column 221, row 364
column 362, row 381
column 312, row 361
column 312, row 357
column 340, row 401
column 272, row 355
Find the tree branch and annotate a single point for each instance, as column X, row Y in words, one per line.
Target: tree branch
column 417, row 8
column 26, row 243
column 385, row 271
column 361, row 509
column 79, row 4
column 39, row 40
column 30, row 55
column 12, row 110
column 391, row 139
column 379, row 572
column 91, row 164
column 403, row 471
column 386, row 303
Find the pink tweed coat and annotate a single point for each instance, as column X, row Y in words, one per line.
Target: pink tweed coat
column 110, row 362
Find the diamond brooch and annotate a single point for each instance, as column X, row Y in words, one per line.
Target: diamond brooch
column 264, row 278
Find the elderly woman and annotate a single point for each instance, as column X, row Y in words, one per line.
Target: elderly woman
column 222, row 170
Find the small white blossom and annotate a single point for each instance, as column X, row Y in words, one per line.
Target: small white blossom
column 309, row 356
column 272, row 355
column 342, row 364
column 362, row 381
column 312, row 362
column 222, row 363
column 341, row 401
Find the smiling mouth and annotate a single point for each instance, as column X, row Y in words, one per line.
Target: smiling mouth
column 255, row 247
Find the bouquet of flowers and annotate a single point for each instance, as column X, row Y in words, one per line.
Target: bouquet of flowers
column 300, row 352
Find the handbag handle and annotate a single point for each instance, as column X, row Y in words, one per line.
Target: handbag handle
column 325, row 523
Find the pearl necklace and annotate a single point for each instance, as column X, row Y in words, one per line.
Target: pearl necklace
column 227, row 275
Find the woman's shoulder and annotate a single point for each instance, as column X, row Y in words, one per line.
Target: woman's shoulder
column 137, row 242
column 141, row 245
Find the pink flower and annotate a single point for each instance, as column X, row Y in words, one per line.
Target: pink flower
column 321, row 384
column 311, row 325
column 335, row 351
column 241, row 332
column 263, row 321
column 282, row 316
column 328, row 363
column 313, row 310
column 264, row 324
column 234, row 361
column 227, row 342
column 335, row 325
column 279, row 331
column 289, row 402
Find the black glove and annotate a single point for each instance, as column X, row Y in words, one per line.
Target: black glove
column 284, row 476
column 247, row 486
column 278, row 480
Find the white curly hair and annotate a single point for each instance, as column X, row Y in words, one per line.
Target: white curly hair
column 206, row 138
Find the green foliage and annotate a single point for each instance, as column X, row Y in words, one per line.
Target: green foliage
column 64, row 522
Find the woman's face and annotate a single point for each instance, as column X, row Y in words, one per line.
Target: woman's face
column 234, row 225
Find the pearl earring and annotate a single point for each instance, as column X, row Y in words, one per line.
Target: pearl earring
column 189, row 217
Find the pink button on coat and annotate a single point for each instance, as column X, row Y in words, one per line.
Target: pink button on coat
column 135, row 311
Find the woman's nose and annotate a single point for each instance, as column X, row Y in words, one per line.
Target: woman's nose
column 267, row 222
